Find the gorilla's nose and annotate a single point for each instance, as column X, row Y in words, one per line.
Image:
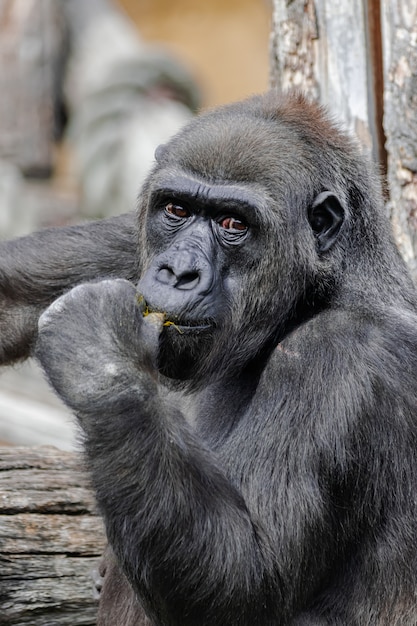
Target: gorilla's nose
column 184, row 268
column 185, row 279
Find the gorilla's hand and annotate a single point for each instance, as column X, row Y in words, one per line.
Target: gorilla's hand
column 95, row 344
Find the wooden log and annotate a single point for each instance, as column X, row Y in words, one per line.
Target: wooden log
column 51, row 539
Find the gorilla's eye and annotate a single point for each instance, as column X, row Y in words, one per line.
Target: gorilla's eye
column 233, row 224
column 176, row 210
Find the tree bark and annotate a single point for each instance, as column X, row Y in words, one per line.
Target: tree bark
column 321, row 48
column 400, row 121
column 360, row 59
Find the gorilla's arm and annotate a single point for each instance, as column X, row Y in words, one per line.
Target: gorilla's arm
column 155, row 482
column 36, row 269
column 198, row 546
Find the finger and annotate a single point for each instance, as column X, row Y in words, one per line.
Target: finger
column 152, row 325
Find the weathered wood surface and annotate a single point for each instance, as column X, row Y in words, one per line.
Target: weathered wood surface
column 321, row 48
column 51, row 539
column 400, row 121
column 294, row 36
column 360, row 58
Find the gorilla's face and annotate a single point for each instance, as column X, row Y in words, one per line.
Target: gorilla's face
column 229, row 259
column 203, row 240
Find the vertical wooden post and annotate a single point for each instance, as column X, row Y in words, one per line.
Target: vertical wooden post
column 321, row 47
column 376, row 81
column 399, row 21
column 360, row 59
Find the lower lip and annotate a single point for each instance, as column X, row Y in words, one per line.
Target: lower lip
column 188, row 329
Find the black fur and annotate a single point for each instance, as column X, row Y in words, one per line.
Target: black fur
column 35, row 270
column 256, row 460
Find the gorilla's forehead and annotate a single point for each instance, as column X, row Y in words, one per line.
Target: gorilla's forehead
column 238, row 149
column 181, row 184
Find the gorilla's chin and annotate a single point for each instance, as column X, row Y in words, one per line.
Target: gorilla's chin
column 184, row 350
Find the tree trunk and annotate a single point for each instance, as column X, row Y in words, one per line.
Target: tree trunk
column 400, row 121
column 321, row 48
column 360, row 59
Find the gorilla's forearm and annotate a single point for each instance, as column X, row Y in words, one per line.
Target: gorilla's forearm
column 159, row 488
column 172, row 513
column 36, row 269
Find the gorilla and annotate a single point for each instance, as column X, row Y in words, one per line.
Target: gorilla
column 241, row 358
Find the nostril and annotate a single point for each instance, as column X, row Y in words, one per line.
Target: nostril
column 188, row 280
column 180, row 280
column 166, row 276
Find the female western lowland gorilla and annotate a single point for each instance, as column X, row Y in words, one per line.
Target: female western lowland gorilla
column 246, row 386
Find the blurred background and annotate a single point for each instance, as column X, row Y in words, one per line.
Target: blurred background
column 88, row 90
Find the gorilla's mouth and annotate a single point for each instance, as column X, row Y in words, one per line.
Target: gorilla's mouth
column 187, row 326
column 182, row 326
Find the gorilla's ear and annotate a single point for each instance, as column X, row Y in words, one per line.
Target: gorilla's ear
column 326, row 216
column 159, row 152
